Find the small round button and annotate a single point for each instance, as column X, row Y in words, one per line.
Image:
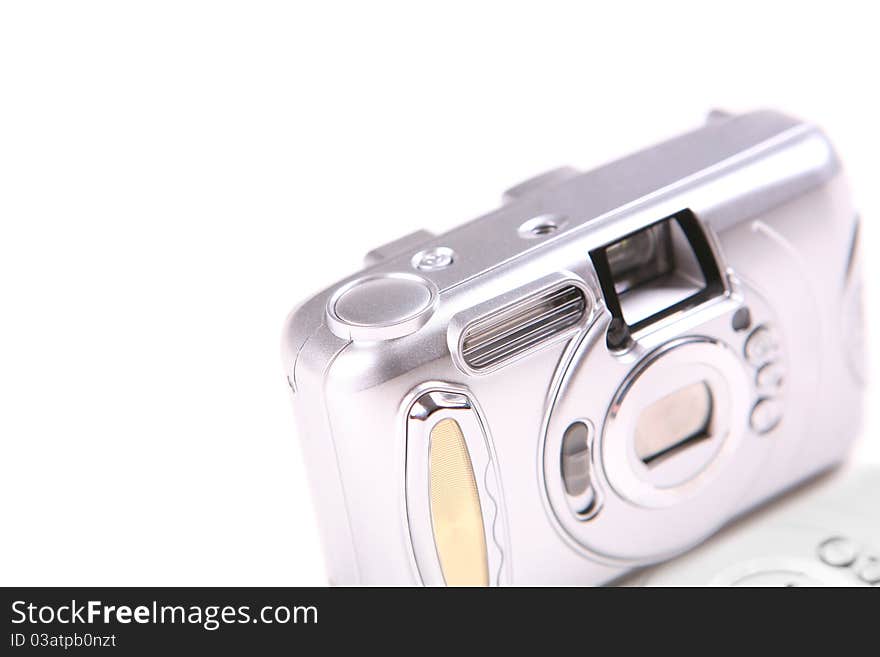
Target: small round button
column 439, row 257
column 381, row 307
column 766, row 414
column 869, row 573
column 761, row 346
column 838, row 551
column 770, row 378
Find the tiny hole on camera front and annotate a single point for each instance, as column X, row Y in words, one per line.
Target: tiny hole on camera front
column 742, row 319
column 618, row 336
column 541, row 226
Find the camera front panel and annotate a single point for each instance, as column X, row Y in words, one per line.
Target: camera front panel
column 650, row 447
column 594, row 377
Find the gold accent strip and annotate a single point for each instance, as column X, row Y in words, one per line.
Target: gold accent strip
column 455, row 509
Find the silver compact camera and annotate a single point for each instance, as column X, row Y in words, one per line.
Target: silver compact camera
column 594, row 377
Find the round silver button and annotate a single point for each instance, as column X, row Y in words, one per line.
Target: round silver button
column 869, row 573
column 838, row 551
column 761, row 346
column 381, row 307
column 766, row 414
column 770, row 378
column 439, row 257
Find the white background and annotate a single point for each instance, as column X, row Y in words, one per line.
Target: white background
column 174, row 177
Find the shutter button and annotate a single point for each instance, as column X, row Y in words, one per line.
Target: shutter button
column 381, row 307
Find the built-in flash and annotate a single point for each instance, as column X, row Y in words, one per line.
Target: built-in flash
column 455, row 509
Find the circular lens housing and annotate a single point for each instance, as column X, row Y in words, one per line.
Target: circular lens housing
column 671, row 455
column 673, row 421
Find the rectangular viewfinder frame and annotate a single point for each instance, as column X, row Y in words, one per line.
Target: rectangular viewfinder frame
column 694, row 246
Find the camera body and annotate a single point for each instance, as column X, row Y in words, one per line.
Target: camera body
column 594, row 377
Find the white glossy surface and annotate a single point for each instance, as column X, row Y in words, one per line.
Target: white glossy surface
column 826, row 534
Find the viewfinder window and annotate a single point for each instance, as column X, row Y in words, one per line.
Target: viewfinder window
column 661, row 269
